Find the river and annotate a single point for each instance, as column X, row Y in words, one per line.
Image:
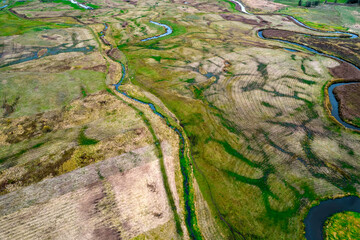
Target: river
column 316, row 217
column 190, row 215
column 168, row 31
column 335, row 105
column 315, row 220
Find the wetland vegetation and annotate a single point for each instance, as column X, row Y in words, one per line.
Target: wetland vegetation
column 207, row 131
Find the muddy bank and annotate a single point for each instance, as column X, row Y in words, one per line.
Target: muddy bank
column 348, row 97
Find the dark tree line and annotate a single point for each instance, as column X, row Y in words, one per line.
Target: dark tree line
column 353, row 1
column 309, row 3
column 316, row 3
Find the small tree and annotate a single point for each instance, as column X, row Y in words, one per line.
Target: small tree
column 300, row 3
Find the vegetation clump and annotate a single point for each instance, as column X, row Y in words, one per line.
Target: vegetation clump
column 343, row 226
column 83, row 140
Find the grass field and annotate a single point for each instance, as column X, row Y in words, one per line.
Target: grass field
column 344, row 226
column 13, row 25
column 257, row 137
column 212, row 139
column 327, row 17
column 35, row 97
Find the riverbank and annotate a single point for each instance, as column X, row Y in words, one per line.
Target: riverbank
column 304, row 212
column 321, row 210
column 348, row 98
column 329, row 106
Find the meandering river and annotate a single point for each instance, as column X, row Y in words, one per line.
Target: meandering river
column 333, row 101
column 317, row 215
column 168, row 31
column 189, row 205
column 335, row 105
column 315, row 220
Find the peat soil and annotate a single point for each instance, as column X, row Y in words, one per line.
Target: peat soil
column 345, row 71
column 348, row 96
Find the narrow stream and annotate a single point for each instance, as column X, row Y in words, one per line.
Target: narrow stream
column 4, row 4
column 190, row 215
column 81, row 5
column 49, row 51
column 333, row 100
column 350, row 35
column 168, row 31
column 242, row 7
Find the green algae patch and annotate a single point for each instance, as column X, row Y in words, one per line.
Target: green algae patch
column 345, row 225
